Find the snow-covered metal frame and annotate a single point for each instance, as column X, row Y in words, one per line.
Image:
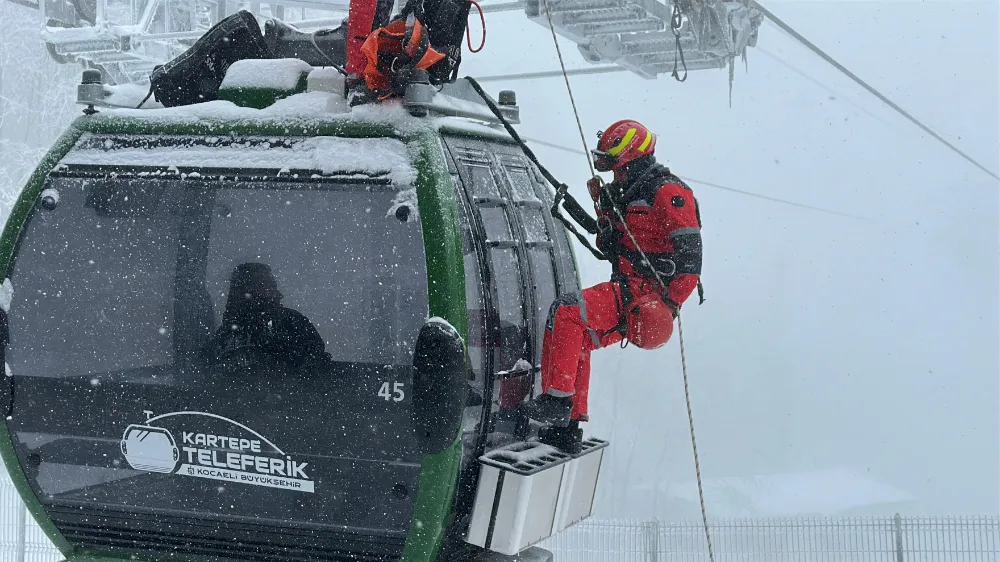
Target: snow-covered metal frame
column 640, row 34
column 125, row 39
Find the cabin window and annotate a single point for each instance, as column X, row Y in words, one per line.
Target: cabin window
column 521, row 185
column 545, row 282
column 135, row 391
column 476, row 306
column 538, row 242
column 510, row 305
column 495, row 222
column 534, row 224
column 483, row 183
column 510, row 205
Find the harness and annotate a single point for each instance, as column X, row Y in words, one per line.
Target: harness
column 611, row 240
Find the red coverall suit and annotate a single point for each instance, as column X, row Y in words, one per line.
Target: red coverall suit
column 661, row 212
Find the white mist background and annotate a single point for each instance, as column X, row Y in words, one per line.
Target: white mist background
column 840, row 365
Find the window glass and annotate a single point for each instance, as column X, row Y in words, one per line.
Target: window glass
column 510, row 305
column 541, row 265
column 475, row 305
column 568, row 281
column 483, row 182
column 495, row 223
column 522, row 185
column 234, row 349
column 534, row 224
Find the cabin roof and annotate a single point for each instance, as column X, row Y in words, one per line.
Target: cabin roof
column 312, row 106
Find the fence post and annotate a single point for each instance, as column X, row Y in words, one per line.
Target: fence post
column 21, row 528
column 897, row 521
column 653, row 540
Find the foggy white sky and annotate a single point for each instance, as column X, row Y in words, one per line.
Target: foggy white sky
column 864, row 345
column 828, row 345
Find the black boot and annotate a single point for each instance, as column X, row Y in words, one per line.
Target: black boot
column 550, row 409
column 567, row 439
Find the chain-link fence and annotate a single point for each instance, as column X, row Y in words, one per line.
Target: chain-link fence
column 869, row 539
column 855, row 539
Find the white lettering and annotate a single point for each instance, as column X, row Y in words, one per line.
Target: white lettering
column 232, row 458
column 298, row 469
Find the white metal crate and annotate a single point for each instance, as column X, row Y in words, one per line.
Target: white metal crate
column 529, row 491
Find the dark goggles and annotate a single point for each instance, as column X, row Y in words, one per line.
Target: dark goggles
column 603, row 162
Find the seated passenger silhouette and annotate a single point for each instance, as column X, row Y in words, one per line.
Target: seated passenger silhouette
column 255, row 320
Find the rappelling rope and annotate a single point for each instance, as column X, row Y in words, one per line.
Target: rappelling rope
column 663, row 286
column 576, row 114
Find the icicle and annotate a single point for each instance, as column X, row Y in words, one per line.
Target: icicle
column 732, row 68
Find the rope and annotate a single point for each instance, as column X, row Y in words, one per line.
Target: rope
column 659, row 280
column 562, row 64
column 468, row 33
column 694, row 442
column 833, row 62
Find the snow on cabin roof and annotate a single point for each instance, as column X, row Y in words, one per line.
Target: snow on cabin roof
column 361, row 157
column 278, row 74
column 311, row 107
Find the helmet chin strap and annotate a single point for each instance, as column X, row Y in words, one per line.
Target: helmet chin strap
column 621, row 175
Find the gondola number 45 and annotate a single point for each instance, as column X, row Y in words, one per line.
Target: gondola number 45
column 396, row 395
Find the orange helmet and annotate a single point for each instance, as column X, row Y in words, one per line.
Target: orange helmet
column 621, row 143
column 650, row 322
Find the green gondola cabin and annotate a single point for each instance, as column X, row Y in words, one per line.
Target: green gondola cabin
column 409, row 259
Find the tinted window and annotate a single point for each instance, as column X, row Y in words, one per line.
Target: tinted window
column 522, row 186
column 483, row 183
column 236, row 349
column 507, row 279
column 534, row 224
column 495, row 223
column 541, row 265
column 474, row 302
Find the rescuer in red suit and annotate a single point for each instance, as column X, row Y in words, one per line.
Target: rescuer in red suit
column 662, row 215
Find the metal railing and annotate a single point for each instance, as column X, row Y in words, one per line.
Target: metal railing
column 830, row 539
column 834, row 539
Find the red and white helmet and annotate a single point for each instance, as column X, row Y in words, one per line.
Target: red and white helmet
column 621, row 143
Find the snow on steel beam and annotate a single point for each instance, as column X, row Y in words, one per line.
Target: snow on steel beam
column 638, row 34
column 26, row 3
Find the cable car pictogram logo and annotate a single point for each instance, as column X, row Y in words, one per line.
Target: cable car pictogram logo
column 242, row 456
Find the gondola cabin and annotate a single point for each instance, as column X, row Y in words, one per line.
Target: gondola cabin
column 272, row 327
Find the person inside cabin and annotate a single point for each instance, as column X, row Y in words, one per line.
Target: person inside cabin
column 660, row 215
column 256, row 320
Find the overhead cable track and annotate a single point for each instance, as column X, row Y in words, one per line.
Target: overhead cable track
column 800, row 38
column 719, row 185
column 822, row 54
